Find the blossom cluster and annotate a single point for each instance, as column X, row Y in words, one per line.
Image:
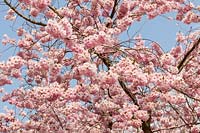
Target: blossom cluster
column 76, row 72
column 62, row 29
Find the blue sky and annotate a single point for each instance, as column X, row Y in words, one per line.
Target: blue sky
column 159, row 29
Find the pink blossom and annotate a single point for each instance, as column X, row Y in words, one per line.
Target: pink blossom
column 176, row 52
column 34, row 12
column 8, row 40
column 87, row 69
column 20, row 31
column 141, row 114
column 10, row 15
column 157, row 48
column 41, row 4
column 136, row 123
column 50, row 14
column 25, row 1
column 53, row 28
column 195, row 129
column 180, row 38
column 123, row 10
column 110, row 78
column 63, row 29
column 167, row 59
column 81, row 66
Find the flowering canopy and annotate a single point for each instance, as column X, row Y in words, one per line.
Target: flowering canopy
column 77, row 75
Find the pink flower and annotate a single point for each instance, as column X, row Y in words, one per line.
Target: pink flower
column 167, row 59
column 123, row 10
column 136, row 123
column 176, row 52
column 16, row 73
column 27, row 2
column 62, row 29
column 195, row 129
column 50, row 14
column 157, row 48
column 41, row 4
column 86, row 69
column 141, row 114
column 10, row 15
column 180, row 38
column 20, row 31
column 53, row 28
column 34, row 12
column 108, row 78
column 7, row 40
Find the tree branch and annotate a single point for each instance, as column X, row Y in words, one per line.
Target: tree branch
column 182, row 63
column 145, row 124
column 176, row 110
column 175, row 127
column 54, row 10
column 22, row 16
column 187, row 95
column 113, row 10
column 128, row 92
column 112, row 13
column 58, row 119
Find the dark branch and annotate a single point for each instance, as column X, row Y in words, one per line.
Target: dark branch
column 54, row 10
column 58, row 119
column 182, row 63
column 22, row 16
column 112, row 13
column 128, row 92
column 113, row 10
column 145, row 124
column 175, row 127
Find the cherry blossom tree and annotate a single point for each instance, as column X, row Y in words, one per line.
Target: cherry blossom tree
column 76, row 74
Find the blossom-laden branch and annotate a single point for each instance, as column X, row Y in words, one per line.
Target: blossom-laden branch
column 103, row 84
column 22, row 16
